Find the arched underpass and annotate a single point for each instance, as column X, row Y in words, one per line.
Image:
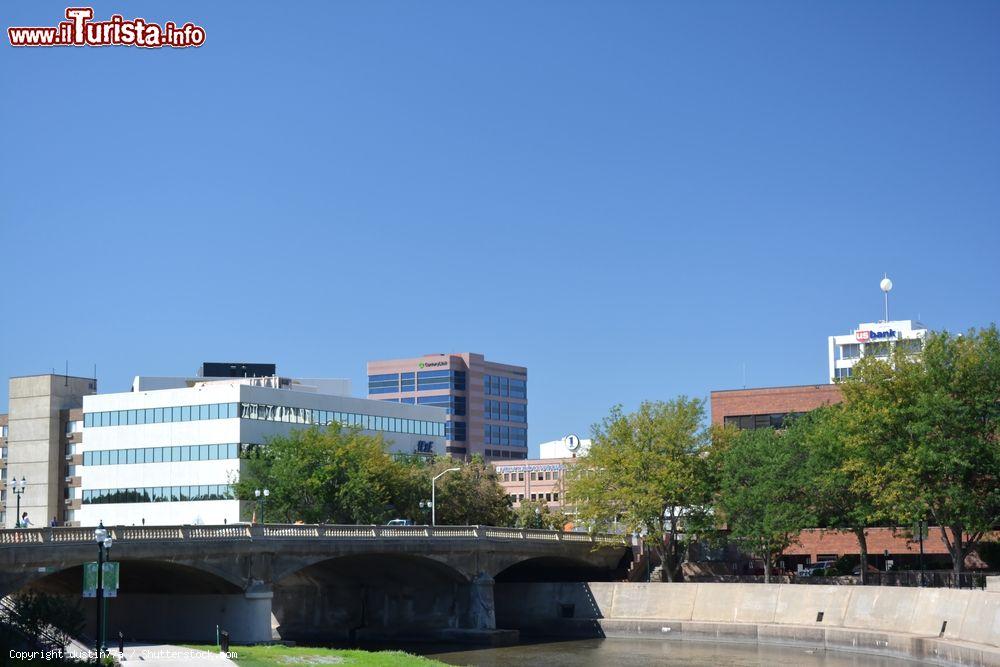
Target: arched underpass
column 524, row 590
column 375, row 597
column 161, row 601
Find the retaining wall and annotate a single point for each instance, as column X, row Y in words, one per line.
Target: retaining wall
column 943, row 626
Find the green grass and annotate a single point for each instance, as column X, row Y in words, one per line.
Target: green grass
column 259, row 656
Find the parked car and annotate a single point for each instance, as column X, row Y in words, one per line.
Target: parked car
column 816, row 569
column 400, row 522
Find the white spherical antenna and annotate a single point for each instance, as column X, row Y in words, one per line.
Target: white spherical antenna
column 886, row 284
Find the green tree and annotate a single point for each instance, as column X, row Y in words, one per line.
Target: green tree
column 37, row 613
column 643, row 470
column 930, row 428
column 471, row 496
column 334, row 475
column 763, row 495
column 538, row 514
column 834, row 464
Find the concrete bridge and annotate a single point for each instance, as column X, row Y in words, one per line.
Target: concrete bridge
column 305, row 582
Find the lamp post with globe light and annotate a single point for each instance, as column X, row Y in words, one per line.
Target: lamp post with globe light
column 104, row 543
column 18, row 489
column 261, row 498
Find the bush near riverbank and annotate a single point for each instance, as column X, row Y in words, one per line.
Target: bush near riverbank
column 278, row 654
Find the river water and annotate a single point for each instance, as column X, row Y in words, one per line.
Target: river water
column 633, row 653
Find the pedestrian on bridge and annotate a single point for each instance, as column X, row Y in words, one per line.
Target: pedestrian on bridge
column 25, row 523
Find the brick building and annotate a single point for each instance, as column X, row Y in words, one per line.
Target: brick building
column 767, row 407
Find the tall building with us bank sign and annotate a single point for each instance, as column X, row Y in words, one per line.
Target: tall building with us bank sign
column 486, row 402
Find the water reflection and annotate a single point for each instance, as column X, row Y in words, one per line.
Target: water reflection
column 633, row 653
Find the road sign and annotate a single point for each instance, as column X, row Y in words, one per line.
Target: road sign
column 110, row 580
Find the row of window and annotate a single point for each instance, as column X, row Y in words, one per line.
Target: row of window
column 751, row 422
column 505, row 454
column 388, row 383
column 159, row 494
column 880, row 348
column 182, row 413
column 280, row 413
column 548, row 497
column 455, row 431
column 505, row 435
column 498, row 385
column 106, row 457
column 283, row 413
column 533, row 476
column 453, row 405
column 504, row 411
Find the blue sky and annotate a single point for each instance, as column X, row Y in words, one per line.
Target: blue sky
column 633, row 199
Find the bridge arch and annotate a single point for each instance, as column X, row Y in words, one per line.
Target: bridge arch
column 368, row 595
column 551, row 569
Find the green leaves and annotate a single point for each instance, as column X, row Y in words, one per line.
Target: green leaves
column 642, row 470
column 341, row 475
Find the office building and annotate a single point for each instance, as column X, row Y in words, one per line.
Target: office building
column 171, row 455
column 873, row 339
column 43, row 432
column 768, row 407
column 535, row 480
column 486, row 402
column 569, row 447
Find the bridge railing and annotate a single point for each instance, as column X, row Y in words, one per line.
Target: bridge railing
column 244, row 531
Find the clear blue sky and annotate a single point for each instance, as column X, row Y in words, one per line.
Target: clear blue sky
column 633, row 199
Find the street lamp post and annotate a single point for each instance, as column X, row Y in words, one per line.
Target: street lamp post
column 425, row 505
column 18, row 489
column 104, row 543
column 434, row 495
column 261, row 497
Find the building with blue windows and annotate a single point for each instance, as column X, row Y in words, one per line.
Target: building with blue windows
column 485, row 402
column 170, row 455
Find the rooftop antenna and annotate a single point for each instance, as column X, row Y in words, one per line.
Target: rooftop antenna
column 886, row 285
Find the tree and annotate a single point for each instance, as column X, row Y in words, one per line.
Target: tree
column 470, row 496
column 36, row 614
column 643, row 469
column 537, row 514
column 834, row 464
column 334, row 475
column 763, row 494
column 930, row 428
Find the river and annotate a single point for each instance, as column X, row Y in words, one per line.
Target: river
column 633, row 653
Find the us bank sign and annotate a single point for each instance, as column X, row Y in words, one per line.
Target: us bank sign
column 867, row 336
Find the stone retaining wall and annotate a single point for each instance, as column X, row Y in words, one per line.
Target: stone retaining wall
column 943, row 626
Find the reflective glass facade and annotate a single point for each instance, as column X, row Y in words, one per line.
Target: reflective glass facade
column 104, row 457
column 280, row 413
column 159, row 494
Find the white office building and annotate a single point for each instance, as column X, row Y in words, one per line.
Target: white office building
column 170, row 455
column 568, row 447
column 870, row 339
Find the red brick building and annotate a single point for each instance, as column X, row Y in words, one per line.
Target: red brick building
column 768, row 406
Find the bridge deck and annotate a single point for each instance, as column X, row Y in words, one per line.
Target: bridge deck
column 244, row 531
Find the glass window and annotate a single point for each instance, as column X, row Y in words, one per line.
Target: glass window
column 185, row 453
column 213, row 411
column 203, row 453
column 130, row 456
column 213, row 452
column 202, row 412
column 157, row 454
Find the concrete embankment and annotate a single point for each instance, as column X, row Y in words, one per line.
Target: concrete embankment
column 941, row 626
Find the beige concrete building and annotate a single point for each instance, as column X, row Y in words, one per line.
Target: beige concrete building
column 44, row 428
column 537, row 480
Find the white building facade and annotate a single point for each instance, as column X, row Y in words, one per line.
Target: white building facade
column 171, row 456
column 873, row 339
